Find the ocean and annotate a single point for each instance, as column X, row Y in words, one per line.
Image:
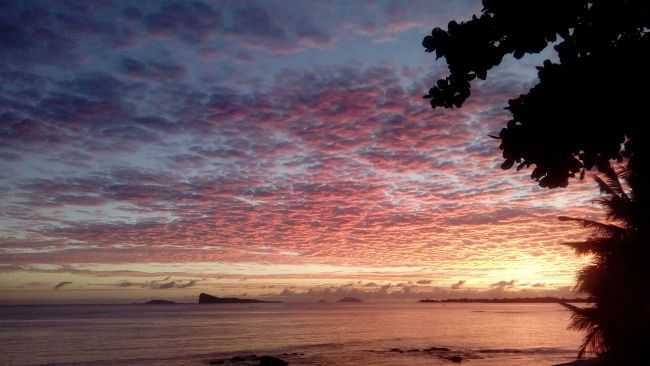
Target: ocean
column 303, row 334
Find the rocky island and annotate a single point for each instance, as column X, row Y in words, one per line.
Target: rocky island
column 159, row 302
column 209, row 299
column 350, row 299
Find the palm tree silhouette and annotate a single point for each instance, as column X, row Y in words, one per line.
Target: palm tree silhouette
column 618, row 322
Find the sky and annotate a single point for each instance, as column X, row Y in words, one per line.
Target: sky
column 270, row 149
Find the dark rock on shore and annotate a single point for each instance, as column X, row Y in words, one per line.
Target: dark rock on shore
column 250, row 360
column 272, row 361
column 454, row 358
column 444, row 353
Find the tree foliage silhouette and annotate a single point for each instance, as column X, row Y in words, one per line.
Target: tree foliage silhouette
column 588, row 108
column 617, row 324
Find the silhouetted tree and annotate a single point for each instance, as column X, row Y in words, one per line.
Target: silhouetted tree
column 616, row 324
column 587, row 109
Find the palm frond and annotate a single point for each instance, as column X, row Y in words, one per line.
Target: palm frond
column 593, row 341
column 599, row 246
column 606, row 325
column 589, row 246
column 587, row 319
column 624, row 173
column 582, row 318
column 605, row 187
column 611, row 182
column 606, row 229
column 589, row 279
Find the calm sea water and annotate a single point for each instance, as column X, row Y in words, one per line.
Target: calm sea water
column 303, row 334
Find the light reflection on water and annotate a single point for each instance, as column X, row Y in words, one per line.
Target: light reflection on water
column 327, row 334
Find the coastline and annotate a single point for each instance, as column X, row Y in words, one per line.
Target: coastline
column 583, row 362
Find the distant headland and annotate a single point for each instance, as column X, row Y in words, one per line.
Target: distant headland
column 160, row 302
column 350, row 299
column 209, row 299
column 514, row 300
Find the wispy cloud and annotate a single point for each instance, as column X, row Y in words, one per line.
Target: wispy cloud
column 163, row 284
column 503, row 284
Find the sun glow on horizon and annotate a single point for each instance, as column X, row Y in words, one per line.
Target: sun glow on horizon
column 144, row 160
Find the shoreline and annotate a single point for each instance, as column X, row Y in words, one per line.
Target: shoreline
column 583, row 362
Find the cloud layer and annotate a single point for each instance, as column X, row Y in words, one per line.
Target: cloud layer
column 198, row 132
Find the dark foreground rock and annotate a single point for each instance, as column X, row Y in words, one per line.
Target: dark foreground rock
column 250, row 360
column 272, row 361
column 443, row 353
column 454, row 358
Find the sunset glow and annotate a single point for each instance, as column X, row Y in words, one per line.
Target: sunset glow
column 168, row 149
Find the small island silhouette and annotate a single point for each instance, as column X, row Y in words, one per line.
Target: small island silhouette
column 514, row 300
column 160, row 302
column 350, row 299
column 209, row 299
